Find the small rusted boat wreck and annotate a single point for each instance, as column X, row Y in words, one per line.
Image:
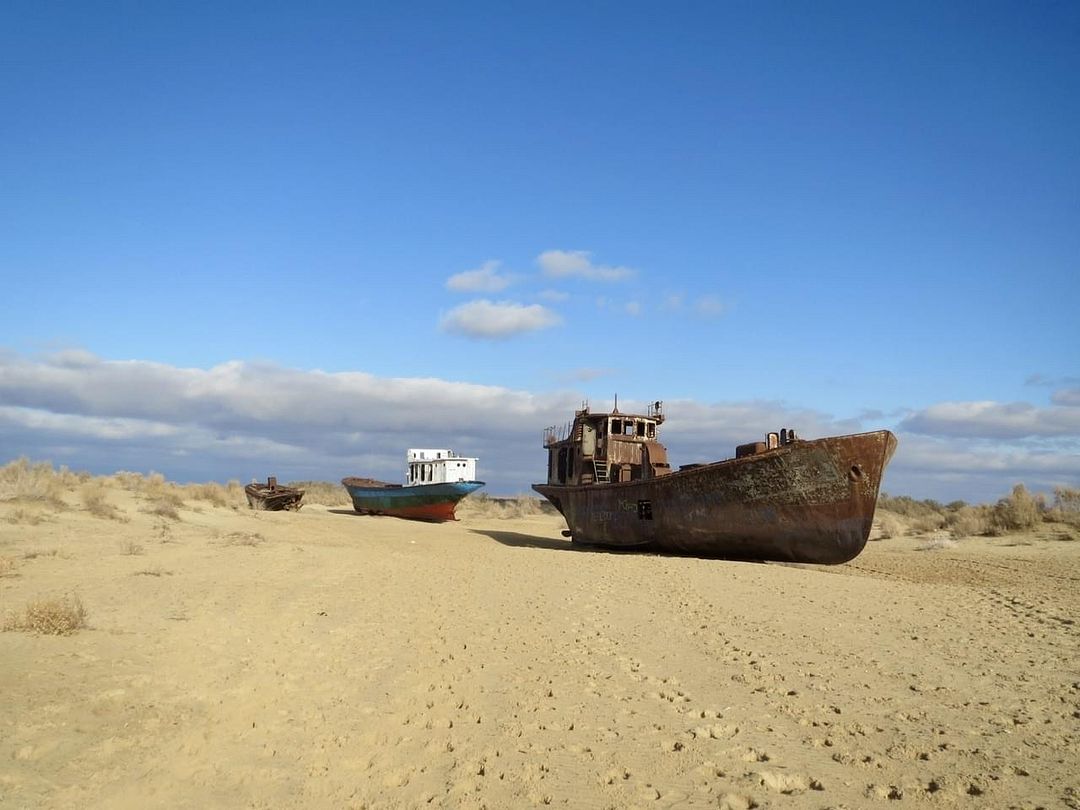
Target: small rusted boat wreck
column 273, row 497
column 435, row 482
column 784, row 498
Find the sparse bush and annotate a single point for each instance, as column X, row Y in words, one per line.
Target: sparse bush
column 234, row 493
column 212, row 492
column 54, row 617
column 131, row 548
column 1066, row 507
column 94, row 499
column 936, row 544
column 970, row 521
column 243, row 539
column 1017, row 512
column 324, row 493
column 22, row 480
column 482, row 505
column 30, row 515
column 925, row 524
column 888, row 525
column 131, row 481
column 162, row 497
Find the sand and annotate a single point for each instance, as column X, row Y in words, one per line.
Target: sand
column 323, row 659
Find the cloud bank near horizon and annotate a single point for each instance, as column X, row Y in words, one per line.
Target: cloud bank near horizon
column 246, row 420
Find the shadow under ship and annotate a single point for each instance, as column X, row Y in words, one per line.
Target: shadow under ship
column 785, row 499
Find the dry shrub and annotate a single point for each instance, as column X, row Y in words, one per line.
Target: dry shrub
column 927, row 524
column 234, row 494
column 323, row 493
column 888, row 525
column 24, row 481
column 1017, row 512
column 41, row 552
column 243, row 539
column 936, row 544
column 482, row 505
column 908, row 507
column 152, row 572
column 95, row 501
column 970, row 521
column 163, row 498
column 7, row 566
column 30, row 515
column 52, row 617
column 212, row 492
column 131, row 548
column 1066, row 508
column 131, row 481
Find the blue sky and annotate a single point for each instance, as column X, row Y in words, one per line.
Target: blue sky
column 248, row 238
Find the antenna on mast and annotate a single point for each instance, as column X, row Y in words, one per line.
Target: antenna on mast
column 616, row 408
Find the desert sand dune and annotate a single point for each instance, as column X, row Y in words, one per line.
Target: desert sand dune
column 322, row 659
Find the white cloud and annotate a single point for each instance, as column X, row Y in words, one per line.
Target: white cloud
column 1067, row 396
column 496, row 320
column 996, row 420
column 243, row 420
column 710, row 306
column 672, row 302
column 485, row 278
column 577, row 264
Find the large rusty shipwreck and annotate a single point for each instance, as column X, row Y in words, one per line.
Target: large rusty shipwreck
column 784, row 498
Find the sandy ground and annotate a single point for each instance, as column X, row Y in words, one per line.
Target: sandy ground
column 323, row 659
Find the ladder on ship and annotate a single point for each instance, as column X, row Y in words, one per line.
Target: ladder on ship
column 600, row 471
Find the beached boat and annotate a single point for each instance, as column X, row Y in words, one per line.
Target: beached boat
column 273, row 497
column 435, row 482
column 785, row 498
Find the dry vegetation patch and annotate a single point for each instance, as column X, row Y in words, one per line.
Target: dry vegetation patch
column 95, row 499
column 24, row 481
column 7, row 566
column 52, row 617
column 482, row 505
column 323, row 493
column 243, row 539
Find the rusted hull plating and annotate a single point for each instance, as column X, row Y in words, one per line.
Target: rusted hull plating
column 808, row 502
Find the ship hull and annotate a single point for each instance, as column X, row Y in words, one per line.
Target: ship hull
column 273, row 499
column 430, row 502
column 807, row 502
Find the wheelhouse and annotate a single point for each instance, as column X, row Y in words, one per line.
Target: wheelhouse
column 601, row 448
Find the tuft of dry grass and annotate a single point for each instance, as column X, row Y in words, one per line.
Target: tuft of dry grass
column 46, row 552
column 152, row 572
column 162, row 497
column 95, row 500
column 323, row 493
column 51, row 617
column 213, row 493
column 7, row 566
column 243, row 539
column 29, row 515
column 24, row 481
column 131, row 548
column 937, row 544
column 482, row 505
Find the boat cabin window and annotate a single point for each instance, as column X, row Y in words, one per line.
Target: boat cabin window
column 616, row 427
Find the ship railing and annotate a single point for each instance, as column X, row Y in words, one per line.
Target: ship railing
column 556, row 433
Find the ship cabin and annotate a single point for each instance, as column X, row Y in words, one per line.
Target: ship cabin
column 602, row 448
column 425, row 466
